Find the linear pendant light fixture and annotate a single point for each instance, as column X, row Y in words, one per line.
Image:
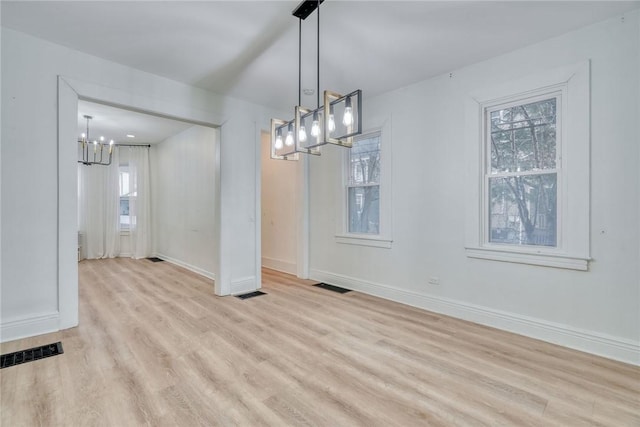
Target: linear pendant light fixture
column 96, row 152
column 337, row 121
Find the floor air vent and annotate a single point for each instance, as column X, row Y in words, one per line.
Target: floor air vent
column 36, row 353
column 333, row 288
column 251, row 295
column 155, row 259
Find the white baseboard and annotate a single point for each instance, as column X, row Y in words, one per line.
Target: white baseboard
column 29, row 326
column 596, row 343
column 188, row 266
column 244, row 284
column 279, row 265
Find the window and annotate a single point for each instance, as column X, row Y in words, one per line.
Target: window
column 528, row 166
column 125, row 193
column 363, row 187
column 365, row 205
column 522, row 172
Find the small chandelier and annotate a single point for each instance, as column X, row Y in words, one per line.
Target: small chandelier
column 290, row 137
column 96, row 152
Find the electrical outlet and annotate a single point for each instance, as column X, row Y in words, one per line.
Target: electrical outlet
column 434, row 281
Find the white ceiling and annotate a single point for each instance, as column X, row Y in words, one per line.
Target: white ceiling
column 115, row 123
column 248, row 49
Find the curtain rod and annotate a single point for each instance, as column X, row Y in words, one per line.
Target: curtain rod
column 133, row 145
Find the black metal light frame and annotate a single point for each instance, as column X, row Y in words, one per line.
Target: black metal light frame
column 331, row 99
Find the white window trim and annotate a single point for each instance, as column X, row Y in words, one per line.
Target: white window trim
column 572, row 251
column 384, row 238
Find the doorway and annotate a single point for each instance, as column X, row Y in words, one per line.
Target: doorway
column 177, row 190
column 279, row 218
column 69, row 93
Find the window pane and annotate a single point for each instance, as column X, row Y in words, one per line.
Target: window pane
column 364, row 210
column 124, row 181
column 523, row 137
column 523, row 210
column 364, row 160
column 124, row 212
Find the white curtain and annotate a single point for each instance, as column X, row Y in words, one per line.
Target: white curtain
column 140, row 202
column 98, row 208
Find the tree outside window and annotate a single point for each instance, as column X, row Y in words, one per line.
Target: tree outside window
column 363, row 187
column 521, row 175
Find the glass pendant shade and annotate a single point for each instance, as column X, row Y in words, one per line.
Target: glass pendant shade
column 288, row 141
column 315, row 126
column 331, row 126
column 347, row 118
column 302, row 132
column 279, row 143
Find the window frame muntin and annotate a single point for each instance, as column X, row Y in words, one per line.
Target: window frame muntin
column 559, row 92
column 347, row 185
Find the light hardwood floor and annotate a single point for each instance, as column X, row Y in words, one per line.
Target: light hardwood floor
column 156, row 347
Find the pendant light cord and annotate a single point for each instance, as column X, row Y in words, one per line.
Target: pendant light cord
column 318, row 60
column 299, row 61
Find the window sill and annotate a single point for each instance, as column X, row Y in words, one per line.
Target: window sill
column 531, row 258
column 364, row 240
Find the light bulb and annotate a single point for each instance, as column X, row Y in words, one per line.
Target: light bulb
column 315, row 126
column 278, row 145
column 111, row 142
column 95, row 142
column 289, row 139
column 302, row 132
column 347, row 119
column 82, row 135
column 102, row 139
column 332, row 122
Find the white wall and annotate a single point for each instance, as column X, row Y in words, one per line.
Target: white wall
column 598, row 310
column 279, row 223
column 39, row 234
column 183, row 199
